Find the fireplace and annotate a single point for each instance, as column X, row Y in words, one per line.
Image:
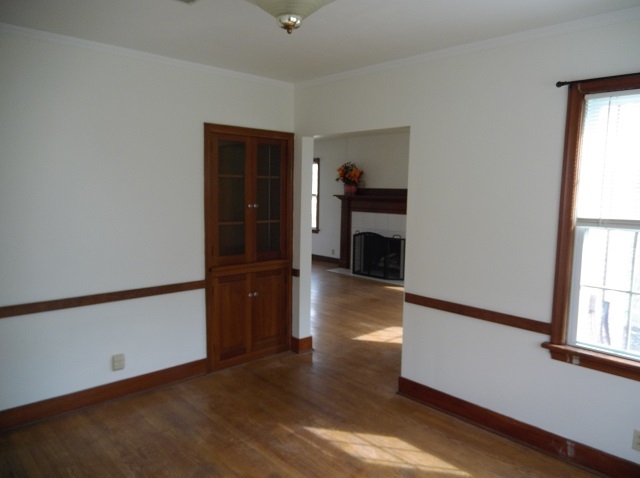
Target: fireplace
column 378, row 256
column 385, row 201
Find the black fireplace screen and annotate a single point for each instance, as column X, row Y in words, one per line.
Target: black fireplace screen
column 378, row 256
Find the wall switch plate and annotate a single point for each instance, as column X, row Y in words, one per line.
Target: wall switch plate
column 636, row 440
column 117, row 362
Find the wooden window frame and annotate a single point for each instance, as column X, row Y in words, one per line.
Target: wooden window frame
column 316, row 229
column 557, row 345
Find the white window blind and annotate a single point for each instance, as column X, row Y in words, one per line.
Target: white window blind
column 609, row 177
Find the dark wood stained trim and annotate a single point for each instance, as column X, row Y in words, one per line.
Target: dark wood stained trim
column 622, row 367
column 19, row 416
column 482, row 314
column 86, row 300
column 244, row 131
column 332, row 260
column 555, row 445
column 255, row 267
column 566, row 229
column 301, row 346
column 609, row 83
column 295, row 272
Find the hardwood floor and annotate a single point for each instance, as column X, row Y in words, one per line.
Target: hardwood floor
column 330, row 413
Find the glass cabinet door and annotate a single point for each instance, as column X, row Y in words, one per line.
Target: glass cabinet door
column 269, row 204
column 230, row 197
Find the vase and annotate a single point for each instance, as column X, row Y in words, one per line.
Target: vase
column 350, row 189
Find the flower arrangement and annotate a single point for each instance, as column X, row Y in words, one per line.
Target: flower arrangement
column 349, row 174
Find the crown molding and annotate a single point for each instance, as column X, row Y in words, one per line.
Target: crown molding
column 6, row 28
column 620, row 16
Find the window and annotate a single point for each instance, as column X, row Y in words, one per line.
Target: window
column 596, row 313
column 315, row 199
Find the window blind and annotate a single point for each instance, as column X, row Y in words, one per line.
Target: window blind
column 609, row 176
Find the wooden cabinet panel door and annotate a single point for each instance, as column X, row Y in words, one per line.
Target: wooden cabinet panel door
column 232, row 312
column 269, row 317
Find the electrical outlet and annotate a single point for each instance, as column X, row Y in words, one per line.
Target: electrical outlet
column 636, row 440
column 117, row 362
column 333, row 252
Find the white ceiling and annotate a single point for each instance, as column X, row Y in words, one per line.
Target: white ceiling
column 344, row 35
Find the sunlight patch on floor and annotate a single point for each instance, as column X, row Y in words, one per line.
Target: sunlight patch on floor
column 386, row 451
column 395, row 287
column 391, row 335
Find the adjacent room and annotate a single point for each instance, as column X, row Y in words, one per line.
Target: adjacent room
column 377, row 207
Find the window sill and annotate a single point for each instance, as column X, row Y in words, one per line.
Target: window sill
column 602, row 362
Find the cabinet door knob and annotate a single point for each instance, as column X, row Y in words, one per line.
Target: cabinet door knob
column 255, row 294
column 250, row 206
column 255, row 206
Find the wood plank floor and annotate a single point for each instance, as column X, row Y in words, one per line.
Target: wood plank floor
column 330, row 413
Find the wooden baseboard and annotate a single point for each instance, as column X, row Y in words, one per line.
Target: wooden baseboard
column 557, row 446
column 19, row 416
column 301, row 346
column 332, row 260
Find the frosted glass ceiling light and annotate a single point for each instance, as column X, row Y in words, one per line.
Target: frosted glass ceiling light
column 290, row 13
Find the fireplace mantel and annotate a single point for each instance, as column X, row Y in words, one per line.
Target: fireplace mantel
column 386, row 201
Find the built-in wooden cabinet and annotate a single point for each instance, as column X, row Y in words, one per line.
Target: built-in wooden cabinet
column 248, row 242
column 249, row 312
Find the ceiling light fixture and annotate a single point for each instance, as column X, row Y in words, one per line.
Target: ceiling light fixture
column 290, row 13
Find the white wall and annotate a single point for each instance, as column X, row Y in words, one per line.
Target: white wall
column 487, row 128
column 384, row 158
column 101, row 190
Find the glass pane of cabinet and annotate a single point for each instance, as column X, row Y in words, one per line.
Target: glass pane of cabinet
column 231, row 157
column 231, row 197
column 268, row 196
column 231, row 200
column 231, row 242
column 268, row 237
